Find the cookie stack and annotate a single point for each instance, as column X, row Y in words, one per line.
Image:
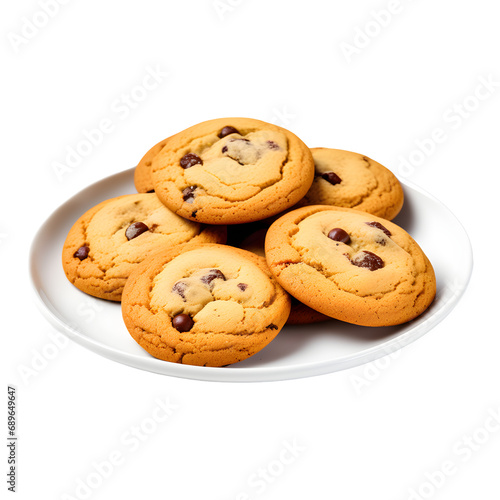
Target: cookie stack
column 309, row 235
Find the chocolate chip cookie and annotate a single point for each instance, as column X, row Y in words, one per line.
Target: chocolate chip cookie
column 300, row 314
column 232, row 171
column 111, row 239
column 350, row 265
column 351, row 180
column 142, row 175
column 206, row 305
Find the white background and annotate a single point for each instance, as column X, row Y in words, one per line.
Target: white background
column 280, row 61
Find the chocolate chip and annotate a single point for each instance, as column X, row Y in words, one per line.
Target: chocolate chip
column 272, row 326
column 379, row 226
column 368, row 260
column 224, row 149
column 331, row 177
column 272, row 145
column 381, row 241
column 180, row 288
column 227, row 130
column 183, row 322
column 213, row 274
column 135, row 229
column 193, row 214
column 190, row 159
column 339, row 234
column 188, row 194
column 242, row 286
column 82, row 253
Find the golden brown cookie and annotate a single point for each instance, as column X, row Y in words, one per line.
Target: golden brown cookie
column 111, row 239
column 350, row 265
column 207, row 305
column 351, row 180
column 232, row 171
column 300, row 314
column 142, row 175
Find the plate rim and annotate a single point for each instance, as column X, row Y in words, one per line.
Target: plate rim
column 250, row 374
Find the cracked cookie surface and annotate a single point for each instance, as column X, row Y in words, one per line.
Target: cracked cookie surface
column 143, row 179
column 111, row 239
column 351, row 180
column 232, row 170
column 206, row 305
column 300, row 314
column 350, row 265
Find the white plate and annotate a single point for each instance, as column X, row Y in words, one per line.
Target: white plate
column 298, row 351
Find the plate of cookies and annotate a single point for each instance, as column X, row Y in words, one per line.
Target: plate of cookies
column 233, row 252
